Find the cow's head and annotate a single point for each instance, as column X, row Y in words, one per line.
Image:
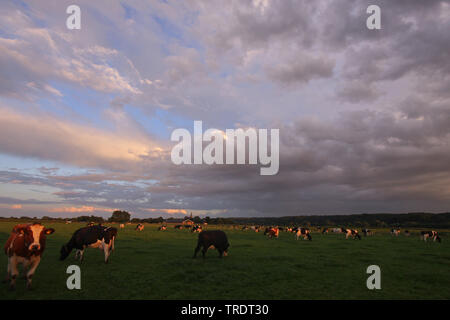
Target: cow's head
column 65, row 251
column 34, row 235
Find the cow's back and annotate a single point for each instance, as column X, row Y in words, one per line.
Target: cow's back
column 213, row 237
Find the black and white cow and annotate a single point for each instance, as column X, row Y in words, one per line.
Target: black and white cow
column 367, row 232
column 430, row 234
column 303, row 232
column 351, row 232
column 197, row 228
column 90, row 237
column 395, row 231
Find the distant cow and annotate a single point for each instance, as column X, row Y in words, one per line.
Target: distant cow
column 162, row 228
column 430, row 234
column 395, row 232
column 139, row 227
column 351, row 232
column 407, row 233
column 25, row 245
column 272, row 232
column 216, row 239
column 90, row 237
column 367, row 232
column 338, row 230
column 179, row 226
column 303, row 232
column 121, row 226
column 196, row 228
column 325, row 231
column 90, row 224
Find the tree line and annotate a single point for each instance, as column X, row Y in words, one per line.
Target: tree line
column 373, row 220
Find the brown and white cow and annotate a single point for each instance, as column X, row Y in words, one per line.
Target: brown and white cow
column 395, row 232
column 162, row 228
column 140, row 227
column 121, row 226
column 272, row 232
column 25, row 246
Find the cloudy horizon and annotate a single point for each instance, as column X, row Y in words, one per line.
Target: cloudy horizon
column 86, row 115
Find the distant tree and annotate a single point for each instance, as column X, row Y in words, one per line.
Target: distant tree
column 197, row 219
column 120, row 216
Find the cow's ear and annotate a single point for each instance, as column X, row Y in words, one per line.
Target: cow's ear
column 49, row 231
column 19, row 229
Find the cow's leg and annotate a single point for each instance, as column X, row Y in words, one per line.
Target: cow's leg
column 197, row 249
column 106, row 249
column 81, row 254
column 205, row 248
column 14, row 272
column 26, row 267
column 8, row 271
column 33, row 265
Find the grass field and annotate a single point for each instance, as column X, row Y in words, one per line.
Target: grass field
column 158, row 265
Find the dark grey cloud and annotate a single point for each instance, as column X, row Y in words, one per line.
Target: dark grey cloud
column 363, row 114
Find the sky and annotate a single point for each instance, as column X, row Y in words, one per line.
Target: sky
column 86, row 115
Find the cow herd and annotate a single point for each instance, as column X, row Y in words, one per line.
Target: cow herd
column 26, row 242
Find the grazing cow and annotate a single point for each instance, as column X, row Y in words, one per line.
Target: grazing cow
column 90, row 237
column 272, row 232
column 162, row 228
column 430, row 234
column 303, row 232
column 351, row 232
column 338, row 230
column 367, row 232
column 196, row 228
column 179, row 226
column 25, row 246
column 140, row 227
column 244, row 228
column 325, row 231
column 121, row 226
column 395, row 232
column 214, row 239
